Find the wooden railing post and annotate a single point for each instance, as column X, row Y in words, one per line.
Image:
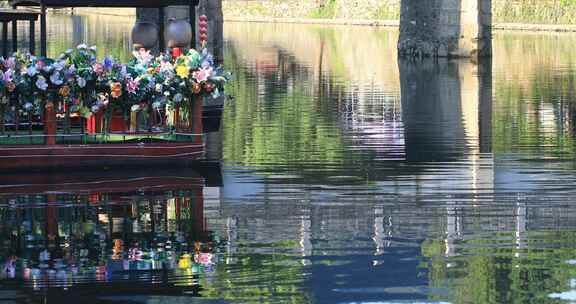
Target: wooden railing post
column 176, row 118
column 2, row 125
column 50, row 123
column 195, row 117
column 133, row 121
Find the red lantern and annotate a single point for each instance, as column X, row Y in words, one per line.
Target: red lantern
column 203, row 29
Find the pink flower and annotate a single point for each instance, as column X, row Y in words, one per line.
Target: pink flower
column 202, row 74
column 143, row 56
column 204, row 258
column 132, row 85
column 98, row 68
column 10, row 63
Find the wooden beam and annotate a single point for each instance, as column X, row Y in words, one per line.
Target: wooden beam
column 32, row 42
column 192, row 15
column 5, row 39
column 14, row 34
column 43, row 48
column 161, row 42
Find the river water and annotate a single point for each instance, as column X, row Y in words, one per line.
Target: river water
column 347, row 176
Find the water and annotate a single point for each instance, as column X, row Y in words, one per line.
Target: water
column 347, row 177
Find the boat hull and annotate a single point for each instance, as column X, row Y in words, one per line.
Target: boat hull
column 23, row 157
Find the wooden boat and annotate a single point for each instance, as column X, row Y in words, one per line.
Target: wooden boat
column 177, row 136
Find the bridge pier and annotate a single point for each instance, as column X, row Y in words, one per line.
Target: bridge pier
column 445, row 28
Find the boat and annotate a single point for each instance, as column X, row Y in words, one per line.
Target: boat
column 44, row 146
column 85, row 113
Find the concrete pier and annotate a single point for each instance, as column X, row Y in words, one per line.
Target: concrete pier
column 445, row 28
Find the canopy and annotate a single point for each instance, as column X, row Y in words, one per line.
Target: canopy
column 43, row 4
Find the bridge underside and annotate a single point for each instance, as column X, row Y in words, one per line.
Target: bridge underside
column 445, row 28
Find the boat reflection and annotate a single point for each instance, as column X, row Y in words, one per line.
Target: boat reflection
column 134, row 233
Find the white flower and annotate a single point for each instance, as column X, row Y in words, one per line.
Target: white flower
column 166, row 93
column 93, row 48
column 41, row 83
column 82, row 46
column 135, row 108
column 81, row 82
column 28, row 106
column 59, row 65
column 156, row 105
column 55, row 78
column 158, row 87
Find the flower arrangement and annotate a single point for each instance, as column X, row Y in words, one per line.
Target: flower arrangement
column 80, row 83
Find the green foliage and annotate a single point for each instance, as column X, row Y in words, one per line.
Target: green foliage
column 386, row 12
column 531, row 11
column 327, row 10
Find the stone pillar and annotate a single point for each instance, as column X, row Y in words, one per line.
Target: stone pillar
column 445, row 28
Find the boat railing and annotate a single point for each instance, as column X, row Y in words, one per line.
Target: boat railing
column 101, row 138
column 179, row 125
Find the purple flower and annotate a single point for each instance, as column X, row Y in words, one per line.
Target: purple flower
column 41, row 83
column 7, row 76
column 108, row 63
column 10, row 63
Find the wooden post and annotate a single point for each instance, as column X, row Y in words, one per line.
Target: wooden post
column 2, row 126
column 161, row 42
column 5, row 39
column 196, row 117
column 43, row 49
column 30, row 126
column 176, row 118
column 151, row 118
column 133, row 121
column 192, row 15
column 14, row 36
column 16, row 117
column 50, row 123
column 32, row 42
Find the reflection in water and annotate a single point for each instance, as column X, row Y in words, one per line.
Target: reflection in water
column 143, row 233
column 347, row 177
